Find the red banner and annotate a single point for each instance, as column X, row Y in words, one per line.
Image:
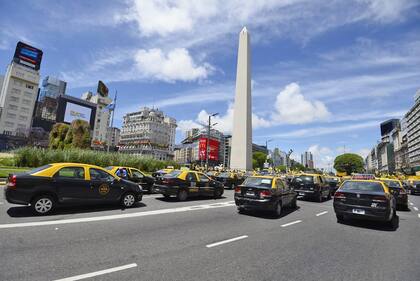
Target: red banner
column 213, row 149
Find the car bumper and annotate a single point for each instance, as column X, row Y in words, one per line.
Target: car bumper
column 255, row 204
column 15, row 196
column 307, row 193
column 377, row 214
column 165, row 190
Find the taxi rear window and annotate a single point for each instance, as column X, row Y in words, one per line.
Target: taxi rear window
column 173, row 174
column 39, row 169
column 224, row 175
column 259, row 182
column 362, row 186
column 303, row 179
column 393, row 184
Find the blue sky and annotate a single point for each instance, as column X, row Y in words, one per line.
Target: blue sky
column 325, row 73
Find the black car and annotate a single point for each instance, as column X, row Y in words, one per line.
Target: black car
column 69, row 183
column 415, row 187
column 229, row 180
column 333, row 183
column 311, row 186
column 397, row 189
column 365, row 199
column 185, row 184
column 264, row 193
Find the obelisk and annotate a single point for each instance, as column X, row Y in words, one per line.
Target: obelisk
column 241, row 149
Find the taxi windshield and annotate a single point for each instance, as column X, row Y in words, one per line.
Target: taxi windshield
column 362, row 186
column 259, row 182
column 173, row 174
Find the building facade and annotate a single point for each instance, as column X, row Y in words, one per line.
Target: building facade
column 17, row 99
column 114, row 136
column 148, row 132
column 102, row 118
column 307, row 160
column 413, row 133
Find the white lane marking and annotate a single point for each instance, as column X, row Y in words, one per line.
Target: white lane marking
column 411, row 204
column 96, row 273
column 1, row 203
column 152, row 196
column 226, row 241
column 120, row 216
column 419, row 216
column 291, row 223
column 415, row 208
column 322, row 213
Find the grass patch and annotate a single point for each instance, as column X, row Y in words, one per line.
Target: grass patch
column 5, row 171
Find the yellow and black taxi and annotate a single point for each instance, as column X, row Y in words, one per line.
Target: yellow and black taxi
column 186, row 183
column 414, row 185
column 134, row 175
column 51, row 185
column 396, row 188
column 311, row 186
column 158, row 175
column 266, row 193
column 365, row 199
column 333, row 182
column 229, row 179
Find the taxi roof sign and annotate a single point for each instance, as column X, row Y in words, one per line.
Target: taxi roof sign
column 363, row 177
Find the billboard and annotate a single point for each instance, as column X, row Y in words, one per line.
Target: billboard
column 388, row 126
column 74, row 111
column 213, row 149
column 102, row 89
column 28, row 55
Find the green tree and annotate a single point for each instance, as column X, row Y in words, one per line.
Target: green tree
column 80, row 131
column 296, row 166
column 76, row 135
column 349, row 163
column 281, row 168
column 258, row 159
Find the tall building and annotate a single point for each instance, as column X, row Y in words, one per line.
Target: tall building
column 19, row 91
column 114, row 136
column 307, row 160
column 413, row 133
column 47, row 104
column 241, row 150
column 148, row 132
column 102, row 118
column 279, row 157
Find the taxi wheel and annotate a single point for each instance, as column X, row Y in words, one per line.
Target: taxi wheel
column 293, row 205
column 217, row 194
column 329, row 196
column 128, row 200
column 182, row 195
column 340, row 218
column 43, row 205
column 278, row 210
column 319, row 198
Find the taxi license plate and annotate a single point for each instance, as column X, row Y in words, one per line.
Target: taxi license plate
column 250, row 193
column 358, row 211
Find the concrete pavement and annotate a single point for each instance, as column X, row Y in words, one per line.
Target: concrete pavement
column 304, row 244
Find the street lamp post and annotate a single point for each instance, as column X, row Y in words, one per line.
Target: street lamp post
column 287, row 159
column 208, row 139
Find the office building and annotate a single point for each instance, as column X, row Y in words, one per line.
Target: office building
column 307, row 160
column 413, row 133
column 148, row 132
column 19, row 91
column 47, row 104
column 114, row 136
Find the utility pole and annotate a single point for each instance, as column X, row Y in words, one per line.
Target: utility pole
column 208, row 140
column 287, row 159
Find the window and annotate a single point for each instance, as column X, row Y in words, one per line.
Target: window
column 14, row 99
column 29, row 86
column 9, row 124
column 26, row 102
column 15, row 91
column 13, row 107
column 28, row 95
column 11, row 115
column 204, row 178
column 96, row 174
column 136, row 174
column 71, row 173
column 24, row 109
column 191, row 177
column 22, row 118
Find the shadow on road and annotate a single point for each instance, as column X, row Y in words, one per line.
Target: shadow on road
column 269, row 215
column 26, row 211
column 173, row 199
column 374, row 225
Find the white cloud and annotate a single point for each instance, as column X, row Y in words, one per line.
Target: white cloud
column 364, row 152
column 185, row 125
column 177, row 64
column 323, row 156
column 388, row 10
column 293, row 108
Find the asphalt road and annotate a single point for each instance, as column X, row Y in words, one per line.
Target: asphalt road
column 205, row 240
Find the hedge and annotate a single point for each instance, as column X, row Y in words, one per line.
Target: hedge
column 35, row 157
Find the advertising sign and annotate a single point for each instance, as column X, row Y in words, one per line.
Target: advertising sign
column 102, row 89
column 75, row 111
column 213, row 149
column 28, row 55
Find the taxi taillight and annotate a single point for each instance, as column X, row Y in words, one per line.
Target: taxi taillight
column 379, row 199
column 11, row 181
column 265, row 193
column 339, row 195
column 238, row 189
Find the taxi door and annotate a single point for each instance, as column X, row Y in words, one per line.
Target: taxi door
column 71, row 184
column 103, row 186
column 137, row 177
column 192, row 184
column 205, row 185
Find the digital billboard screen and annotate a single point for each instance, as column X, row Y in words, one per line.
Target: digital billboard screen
column 28, row 55
column 74, row 111
column 213, row 149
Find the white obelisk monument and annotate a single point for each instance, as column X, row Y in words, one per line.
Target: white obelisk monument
column 241, row 149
